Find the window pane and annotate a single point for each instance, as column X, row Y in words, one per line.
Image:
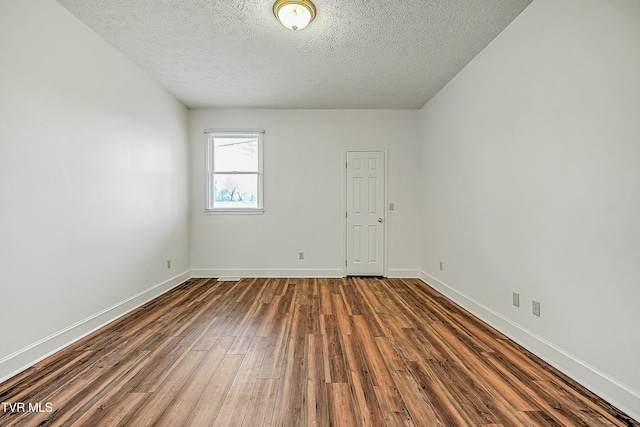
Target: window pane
column 236, row 154
column 235, row 191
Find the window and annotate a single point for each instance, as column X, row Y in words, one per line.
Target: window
column 234, row 170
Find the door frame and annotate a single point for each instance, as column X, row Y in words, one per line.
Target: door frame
column 385, row 244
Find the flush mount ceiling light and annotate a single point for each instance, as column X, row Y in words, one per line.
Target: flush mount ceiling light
column 294, row 14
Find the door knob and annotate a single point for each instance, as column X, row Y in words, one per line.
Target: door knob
column 379, row 219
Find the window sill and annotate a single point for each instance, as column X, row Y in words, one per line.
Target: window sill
column 234, row 211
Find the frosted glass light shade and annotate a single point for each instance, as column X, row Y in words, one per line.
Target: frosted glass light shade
column 294, row 14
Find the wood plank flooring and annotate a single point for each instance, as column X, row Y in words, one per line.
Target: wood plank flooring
column 299, row 352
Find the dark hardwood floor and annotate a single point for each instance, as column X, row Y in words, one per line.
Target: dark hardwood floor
column 298, row 352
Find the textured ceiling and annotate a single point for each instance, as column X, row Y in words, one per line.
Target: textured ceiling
column 355, row 54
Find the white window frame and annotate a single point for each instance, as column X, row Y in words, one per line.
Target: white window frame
column 210, row 135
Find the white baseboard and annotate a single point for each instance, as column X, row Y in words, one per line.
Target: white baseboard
column 403, row 273
column 28, row 356
column 612, row 390
column 265, row 272
column 291, row 272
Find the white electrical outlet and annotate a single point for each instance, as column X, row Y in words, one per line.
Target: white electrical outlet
column 536, row 308
column 300, row 255
column 516, row 299
column 392, row 206
column 168, row 264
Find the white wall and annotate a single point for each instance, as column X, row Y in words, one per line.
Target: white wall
column 304, row 192
column 93, row 182
column 532, row 184
column 528, row 175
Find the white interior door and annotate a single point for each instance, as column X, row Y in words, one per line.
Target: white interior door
column 365, row 213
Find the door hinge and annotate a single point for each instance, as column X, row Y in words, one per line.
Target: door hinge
column 346, row 165
column 346, row 214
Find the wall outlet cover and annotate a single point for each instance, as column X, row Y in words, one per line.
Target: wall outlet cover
column 536, row 308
